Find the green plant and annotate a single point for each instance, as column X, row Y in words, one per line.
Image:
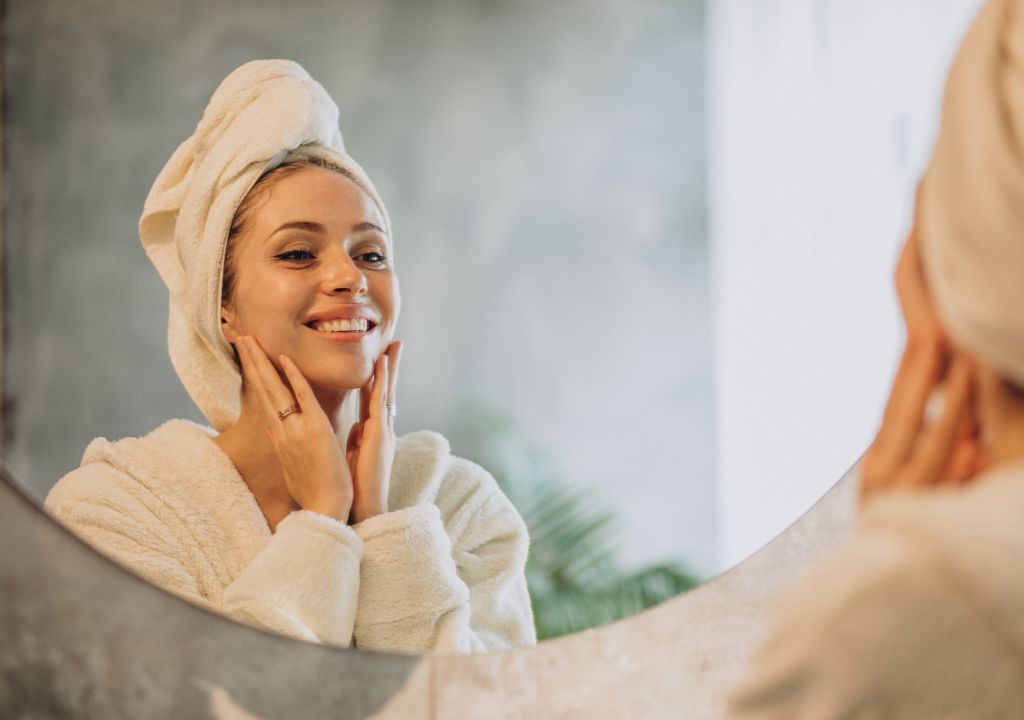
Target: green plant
column 573, row 572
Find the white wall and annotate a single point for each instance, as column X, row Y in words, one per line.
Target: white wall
column 821, row 117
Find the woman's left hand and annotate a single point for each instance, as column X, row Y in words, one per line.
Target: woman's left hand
column 370, row 449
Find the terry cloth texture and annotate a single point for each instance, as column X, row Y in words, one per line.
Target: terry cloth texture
column 920, row 615
column 971, row 220
column 263, row 114
column 442, row 571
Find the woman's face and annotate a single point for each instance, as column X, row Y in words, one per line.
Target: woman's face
column 314, row 279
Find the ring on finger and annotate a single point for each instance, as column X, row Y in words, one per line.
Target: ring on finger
column 933, row 407
column 389, row 408
column 286, row 411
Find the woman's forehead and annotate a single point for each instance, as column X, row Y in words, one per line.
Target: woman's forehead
column 317, row 195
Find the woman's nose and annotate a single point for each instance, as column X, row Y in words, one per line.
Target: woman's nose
column 342, row 275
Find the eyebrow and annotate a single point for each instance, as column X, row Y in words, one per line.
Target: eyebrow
column 315, row 227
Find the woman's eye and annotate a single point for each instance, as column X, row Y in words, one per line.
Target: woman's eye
column 296, row 255
column 373, row 258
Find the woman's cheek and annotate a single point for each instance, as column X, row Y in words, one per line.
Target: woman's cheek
column 396, row 298
column 394, row 304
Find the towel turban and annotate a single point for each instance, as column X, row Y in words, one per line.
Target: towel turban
column 265, row 113
column 972, row 200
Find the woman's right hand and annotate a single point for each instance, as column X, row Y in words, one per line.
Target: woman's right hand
column 316, row 472
column 916, row 447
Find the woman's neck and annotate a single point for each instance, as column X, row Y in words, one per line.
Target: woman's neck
column 251, row 451
column 1001, row 418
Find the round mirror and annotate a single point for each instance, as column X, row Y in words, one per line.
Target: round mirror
column 645, row 249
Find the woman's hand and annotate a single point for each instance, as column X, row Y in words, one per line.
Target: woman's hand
column 920, row 444
column 911, row 450
column 315, row 471
column 370, row 449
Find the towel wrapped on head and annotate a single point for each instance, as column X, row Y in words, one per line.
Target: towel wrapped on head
column 264, row 114
column 971, row 219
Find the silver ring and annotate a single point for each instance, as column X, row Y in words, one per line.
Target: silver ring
column 934, row 406
column 286, row 411
column 390, row 410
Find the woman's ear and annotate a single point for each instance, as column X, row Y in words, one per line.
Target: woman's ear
column 227, row 317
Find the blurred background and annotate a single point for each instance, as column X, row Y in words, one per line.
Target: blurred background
column 645, row 246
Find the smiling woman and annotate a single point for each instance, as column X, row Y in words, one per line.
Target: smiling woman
column 322, row 296
column 288, row 514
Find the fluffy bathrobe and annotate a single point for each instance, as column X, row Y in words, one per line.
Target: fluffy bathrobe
column 920, row 616
column 443, row 570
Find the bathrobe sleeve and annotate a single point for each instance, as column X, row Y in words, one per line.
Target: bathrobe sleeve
column 304, row 583
column 446, row 576
column 880, row 630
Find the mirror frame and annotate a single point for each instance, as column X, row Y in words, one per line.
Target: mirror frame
column 71, row 617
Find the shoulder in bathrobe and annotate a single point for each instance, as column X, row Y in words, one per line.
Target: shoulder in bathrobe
column 920, row 615
column 443, row 570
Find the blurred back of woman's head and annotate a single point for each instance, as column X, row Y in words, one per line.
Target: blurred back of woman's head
column 971, row 211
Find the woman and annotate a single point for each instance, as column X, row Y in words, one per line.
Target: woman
column 278, row 255
column 921, row 615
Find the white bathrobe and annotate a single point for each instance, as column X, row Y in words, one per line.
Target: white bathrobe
column 920, row 616
column 443, row 570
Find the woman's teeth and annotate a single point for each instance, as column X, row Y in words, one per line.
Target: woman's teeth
column 354, row 325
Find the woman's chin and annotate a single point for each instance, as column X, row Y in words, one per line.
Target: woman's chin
column 336, row 374
column 338, row 382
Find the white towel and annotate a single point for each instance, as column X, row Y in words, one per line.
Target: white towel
column 263, row 114
column 972, row 203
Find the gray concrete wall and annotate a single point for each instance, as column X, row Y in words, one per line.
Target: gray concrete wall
column 543, row 164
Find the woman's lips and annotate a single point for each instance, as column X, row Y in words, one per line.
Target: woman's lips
column 342, row 338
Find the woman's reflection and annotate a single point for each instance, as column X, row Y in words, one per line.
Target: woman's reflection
column 278, row 255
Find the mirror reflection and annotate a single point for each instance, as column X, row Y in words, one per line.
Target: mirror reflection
column 543, row 177
column 548, row 268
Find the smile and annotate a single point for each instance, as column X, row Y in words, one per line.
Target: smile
column 355, row 325
column 343, row 331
